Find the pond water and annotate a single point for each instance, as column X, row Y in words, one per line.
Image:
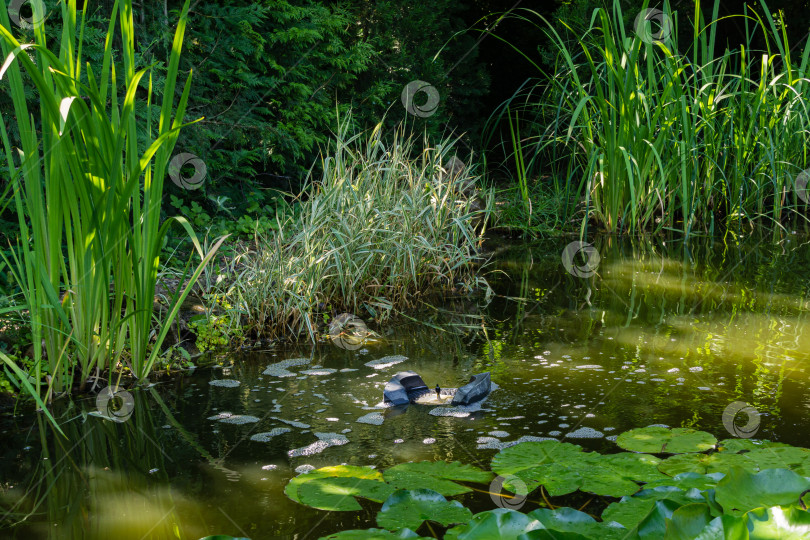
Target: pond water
column 665, row 333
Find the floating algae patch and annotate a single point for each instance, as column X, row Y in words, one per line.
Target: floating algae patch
column 325, row 440
column 585, row 433
column 279, row 369
column 374, row 418
column 267, row 435
column 225, row 383
column 386, row 361
column 230, row 418
column 322, row 371
column 292, row 423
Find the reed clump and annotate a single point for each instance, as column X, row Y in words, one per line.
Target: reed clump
column 384, row 223
column 652, row 137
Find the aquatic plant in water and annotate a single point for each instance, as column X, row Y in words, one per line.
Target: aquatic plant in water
column 84, row 178
column 694, row 486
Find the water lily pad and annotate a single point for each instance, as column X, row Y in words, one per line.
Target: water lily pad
column 319, row 498
column 631, row 511
column 777, row 522
column 372, row 534
column 778, row 458
column 746, row 445
column 740, row 491
column 689, row 480
column 637, row 467
column 562, row 522
column 410, row 508
column 531, row 454
column 556, row 478
column 338, row 493
column 658, row 440
column 688, row 521
column 703, row 464
column 439, row 475
column 501, row 523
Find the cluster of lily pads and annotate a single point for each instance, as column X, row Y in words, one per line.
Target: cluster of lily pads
column 671, row 483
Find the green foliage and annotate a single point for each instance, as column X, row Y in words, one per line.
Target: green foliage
column 88, row 193
column 384, row 223
column 733, row 503
column 659, row 135
column 410, row 508
column 656, row 440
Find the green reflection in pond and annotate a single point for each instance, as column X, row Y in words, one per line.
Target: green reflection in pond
column 663, row 333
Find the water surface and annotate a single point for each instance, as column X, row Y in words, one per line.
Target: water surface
column 664, row 333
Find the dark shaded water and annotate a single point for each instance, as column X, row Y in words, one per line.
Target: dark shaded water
column 664, row 333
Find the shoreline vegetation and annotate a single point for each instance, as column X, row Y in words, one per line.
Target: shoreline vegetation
column 622, row 134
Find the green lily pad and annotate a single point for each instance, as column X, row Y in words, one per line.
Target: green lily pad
column 501, row 523
column 557, row 478
column 544, row 534
column 606, row 482
column 631, row 511
column 636, row 467
column 778, row 522
column 411, row 508
column 704, row 464
column 654, row 524
column 740, row 491
column 325, row 500
column 688, row 521
column 567, row 520
column 372, row 534
column 746, row 445
column 439, row 475
column 338, row 493
column 779, row 458
column 531, row 454
column 689, row 480
column 658, row 440
column 725, row 527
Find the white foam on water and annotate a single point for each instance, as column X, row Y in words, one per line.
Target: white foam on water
column 225, row 383
column 374, row 418
column 292, row 423
column 386, row 361
column 429, row 440
column 269, row 467
column 279, row 369
column 268, row 435
column 585, row 433
column 346, row 370
column 499, row 434
column 230, row 418
column 325, row 440
column 695, row 369
column 303, row 469
column 555, row 433
column 399, row 441
column 323, row 371
column 589, row 366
